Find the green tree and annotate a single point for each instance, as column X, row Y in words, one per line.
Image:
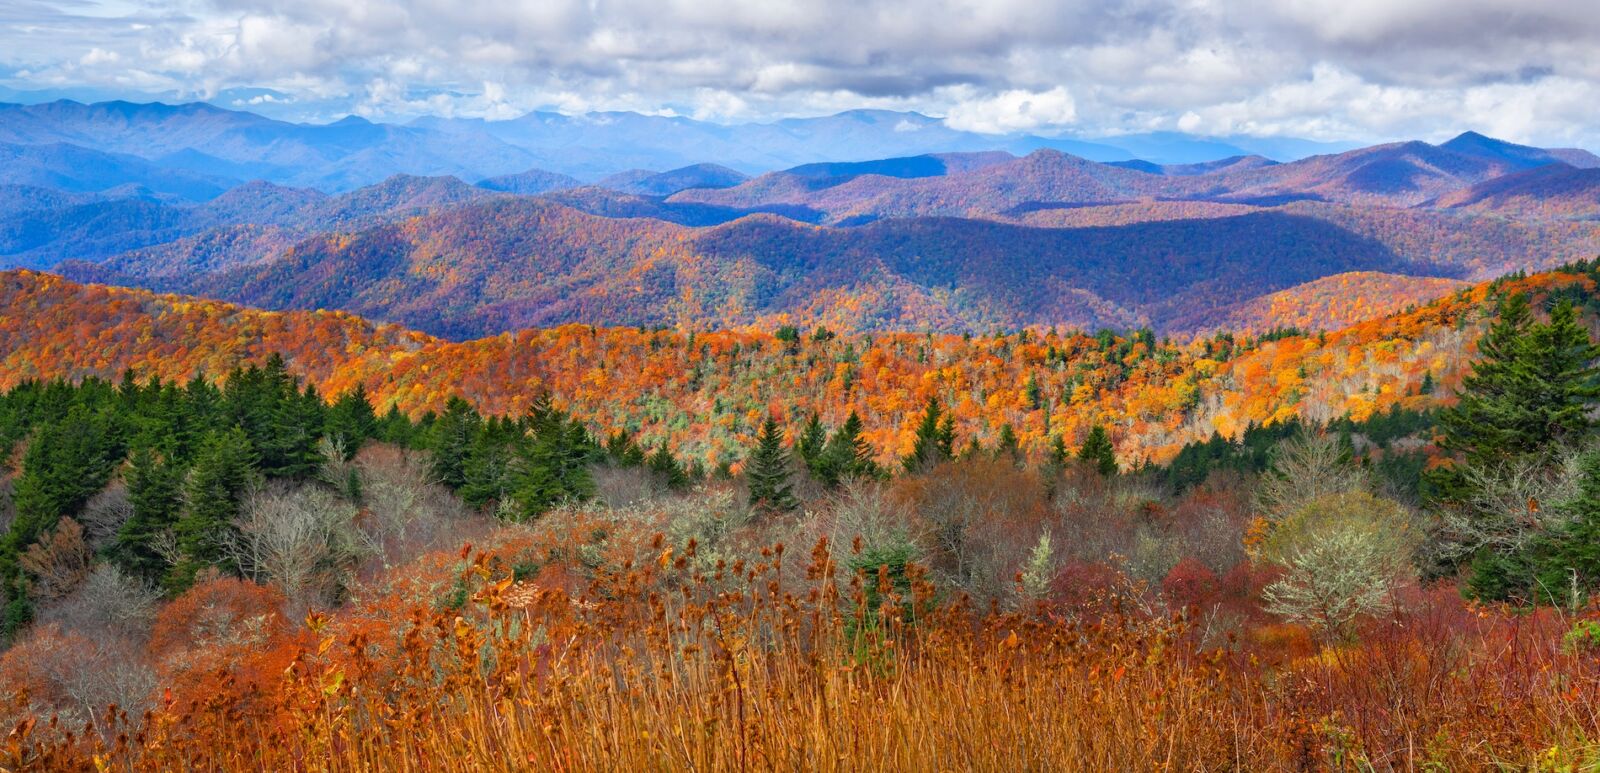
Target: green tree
column 1097, row 451
column 66, row 463
column 351, row 421
column 812, row 442
column 847, row 454
column 553, row 464
column 155, row 489
column 224, row 471
column 935, row 439
column 767, row 472
column 1526, row 407
column 667, row 470
column 452, row 437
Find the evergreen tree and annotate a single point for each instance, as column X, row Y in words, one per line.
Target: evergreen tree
column 1034, row 394
column 553, row 464
column 486, row 468
column 847, row 454
column 224, row 470
column 933, row 443
column 452, row 437
column 1566, row 562
column 1530, row 390
column 767, row 472
column 351, row 421
column 1528, row 402
column 667, row 470
column 67, row 462
column 1098, row 453
column 623, row 451
column 811, row 443
column 394, row 428
column 1006, row 445
column 155, row 489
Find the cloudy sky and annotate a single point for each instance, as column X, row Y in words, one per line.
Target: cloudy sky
column 1527, row 70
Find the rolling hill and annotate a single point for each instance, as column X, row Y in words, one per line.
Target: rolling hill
column 507, row 264
column 703, row 392
column 1552, row 191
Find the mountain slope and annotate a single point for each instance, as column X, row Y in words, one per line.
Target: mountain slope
column 67, row 167
column 507, row 264
column 1550, row 191
column 702, row 393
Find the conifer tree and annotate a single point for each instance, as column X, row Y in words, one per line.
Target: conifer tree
column 811, row 443
column 667, row 470
column 847, row 454
column 553, row 464
column 485, row 470
column 223, row 472
column 1005, row 446
column 623, row 451
column 351, row 421
column 935, row 439
column 452, row 437
column 767, row 472
column 1098, row 453
column 155, row 489
column 1528, row 403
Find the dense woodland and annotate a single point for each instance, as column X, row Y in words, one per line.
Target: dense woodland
column 257, row 569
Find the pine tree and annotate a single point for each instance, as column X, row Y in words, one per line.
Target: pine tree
column 1098, row 453
column 553, row 464
column 767, row 472
column 155, row 489
column 223, row 472
column 67, row 462
column 811, row 443
column 1006, row 447
column 1528, row 401
column 394, row 428
column 933, row 444
column 1566, row 563
column 452, row 437
column 847, row 454
column 623, row 451
column 486, row 467
column 1033, row 393
column 667, row 470
column 351, row 421
column 1530, row 390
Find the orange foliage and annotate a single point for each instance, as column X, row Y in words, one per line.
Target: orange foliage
column 702, row 392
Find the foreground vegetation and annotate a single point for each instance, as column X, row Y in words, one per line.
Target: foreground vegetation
column 246, row 574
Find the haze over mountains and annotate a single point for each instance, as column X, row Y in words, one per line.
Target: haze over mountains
column 204, row 141
column 464, row 228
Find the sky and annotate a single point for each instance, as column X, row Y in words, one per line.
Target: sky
column 1335, row 70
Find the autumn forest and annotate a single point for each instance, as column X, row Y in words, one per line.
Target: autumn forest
column 874, row 442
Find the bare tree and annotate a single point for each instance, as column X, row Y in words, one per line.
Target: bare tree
column 104, row 514
column 109, row 603
column 405, row 512
column 1343, row 555
column 58, row 562
column 1510, row 503
column 1305, row 468
column 303, row 538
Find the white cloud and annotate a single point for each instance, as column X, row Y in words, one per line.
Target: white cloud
column 1347, row 69
column 1014, row 110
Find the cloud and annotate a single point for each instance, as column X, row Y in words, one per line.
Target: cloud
column 1335, row 69
column 1014, row 111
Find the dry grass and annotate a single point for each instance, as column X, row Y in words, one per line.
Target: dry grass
column 646, row 664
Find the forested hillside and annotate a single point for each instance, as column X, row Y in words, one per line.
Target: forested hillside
column 704, row 393
column 210, row 562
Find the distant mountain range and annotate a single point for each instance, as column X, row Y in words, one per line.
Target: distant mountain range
column 959, row 239
column 196, row 149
